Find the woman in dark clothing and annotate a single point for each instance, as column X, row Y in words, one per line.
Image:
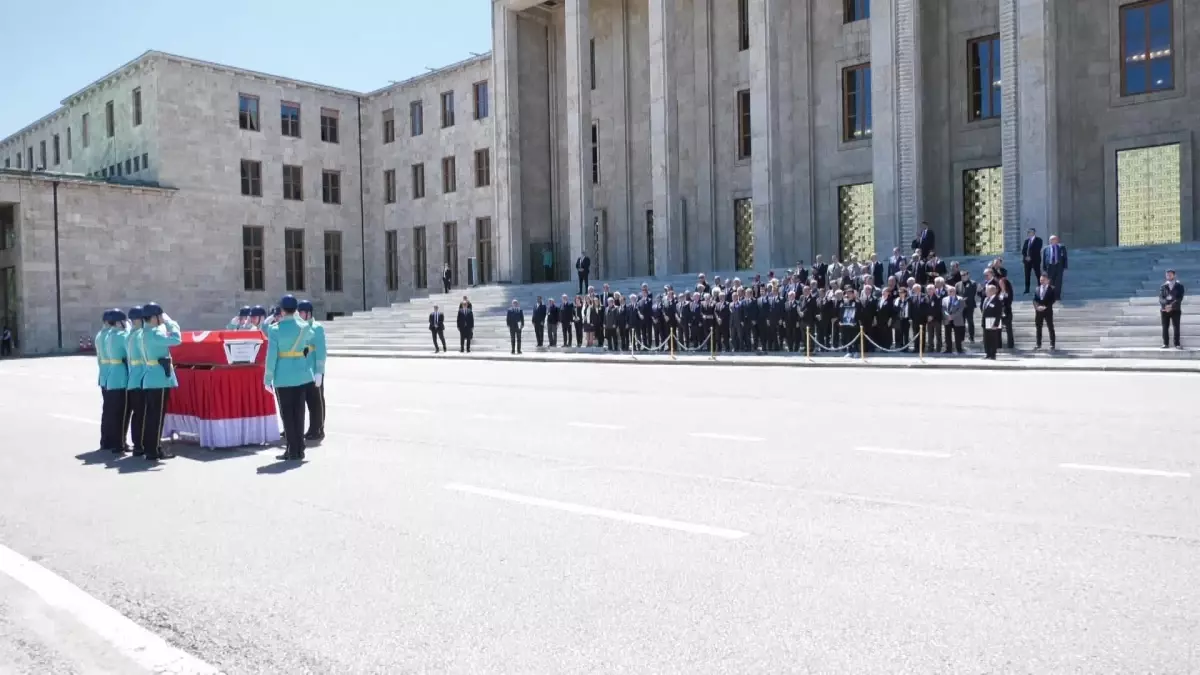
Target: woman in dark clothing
column 466, row 326
column 577, row 318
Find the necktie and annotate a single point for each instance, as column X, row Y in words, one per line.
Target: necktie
column 1054, row 254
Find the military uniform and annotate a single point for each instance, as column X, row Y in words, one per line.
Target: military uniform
column 241, row 321
column 315, row 396
column 158, row 377
column 100, row 342
column 112, row 354
column 289, row 374
column 135, row 417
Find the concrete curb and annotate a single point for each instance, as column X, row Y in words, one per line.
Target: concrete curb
column 972, row 362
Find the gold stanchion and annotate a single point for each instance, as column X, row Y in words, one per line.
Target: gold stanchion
column 921, row 348
column 712, row 344
column 808, row 343
column 862, row 344
column 671, row 339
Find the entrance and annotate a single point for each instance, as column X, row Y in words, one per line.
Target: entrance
column 743, row 233
column 1148, row 196
column 983, row 211
column 484, row 251
column 856, row 221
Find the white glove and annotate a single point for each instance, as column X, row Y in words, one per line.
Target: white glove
column 318, row 379
column 270, row 389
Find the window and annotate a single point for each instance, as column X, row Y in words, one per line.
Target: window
column 248, row 112
column 7, row 163
column 18, row 160
column 420, row 273
column 447, row 109
column 57, row 151
column 389, row 186
column 595, row 153
column 289, row 119
column 743, row 123
column 856, row 103
column 389, row 125
column 252, row 258
column 32, row 166
column 1147, row 50
column 484, row 250
column 416, row 118
column 743, row 25
column 84, row 123
column 449, row 179
column 137, row 107
column 483, row 168
column 329, row 125
column 856, row 10
column 293, row 182
column 251, row 178
column 145, row 160
column 331, row 187
column 110, row 120
column 450, row 249
column 137, row 164
column 293, row 245
column 128, row 166
column 418, row 181
column 592, row 62
column 392, row 247
column 984, row 57
column 68, row 143
column 8, row 227
column 42, row 155
column 116, row 169
column 333, row 261
column 481, row 100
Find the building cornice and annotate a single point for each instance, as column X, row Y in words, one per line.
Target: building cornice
column 432, row 74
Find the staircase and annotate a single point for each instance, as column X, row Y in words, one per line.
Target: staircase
column 1110, row 306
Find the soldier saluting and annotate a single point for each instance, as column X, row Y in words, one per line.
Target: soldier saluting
column 135, row 404
column 159, row 334
column 288, row 374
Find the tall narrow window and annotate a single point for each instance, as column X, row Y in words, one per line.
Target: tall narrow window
column 331, row 187
column 289, row 119
column 251, row 178
column 252, row 258
column 449, row 175
column 1147, row 47
column 333, row 261
column 984, row 58
column 128, row 166
column 485, row 250
column 69, row 143
column 420, row 271
column 743, row 25
column 42, row 155
column 483, row 168
column 293, row 251
column 480, row 96
column 450, row 249
column 57, row 151
column 447, row 109
column 595, row 153
column 592, row 62
column 110, row 120
column 137, row 107
column 418, row 181
column 743, row 123
column 293, row 182
column 389, row 186
column 416, row 118
column 329, row 125
column 856, row 10
column 392, row 251
column 389, row 125
column 83, row 123
column 248, row 112
column 856, row 103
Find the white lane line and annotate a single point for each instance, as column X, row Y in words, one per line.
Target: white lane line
column 411, row 411
column 599, row 513
column 595, row 425
column 72, row 418
column 138, row 644
column 493, row 418
column 907, row 453
column 1128, row 470
column 342, row 405
column 728, row 437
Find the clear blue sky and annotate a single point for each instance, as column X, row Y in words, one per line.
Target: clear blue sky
column 53, row 49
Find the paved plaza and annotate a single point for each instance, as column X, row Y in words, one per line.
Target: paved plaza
column 499, row 517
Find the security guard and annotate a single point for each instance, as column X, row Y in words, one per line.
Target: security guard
column 112, row 419
column 288, row 373
column 159, row 334
column 239, row 322
column 135, row 413
column 315, row 398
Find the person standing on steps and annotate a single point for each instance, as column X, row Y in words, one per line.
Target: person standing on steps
column 437, row 328
column 466, row 326
column 552, row 324
column 992, row 321
column 314, row 398
column 583, row 268
column 539, row 321
column 1043, row 307
column 1054, row 263
column 516, row 323
column 1170, row 300
column 566, row 316
column 1031, row 254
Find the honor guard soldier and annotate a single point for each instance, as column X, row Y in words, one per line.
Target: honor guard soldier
column 110, row 350
column 135, row 404
column 315, row 396
column 258, row 314
column 158, row 335
column 98, row 343
column 240, row 321
column 288, row 374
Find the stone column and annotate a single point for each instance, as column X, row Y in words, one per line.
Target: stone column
column 664, row 140
column 1028, row 119
column 764, row 129
column 579, row 133
column 895, row 123
column 510, row 247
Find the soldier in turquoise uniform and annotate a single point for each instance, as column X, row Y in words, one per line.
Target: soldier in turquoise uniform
column 158, row 335
column 288, row 374
column 315, row 398
column 99, row 343
column 110, row 354
column 257, row 314
column 239, row 322
column 136, row 415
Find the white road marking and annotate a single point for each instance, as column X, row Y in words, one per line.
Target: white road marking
column 1128, row 470
column 599, row 513
column 595, row 425
column 342, row 405
column 411, row 411
column 494, row 418
column 728, row 437
column 72, row 418
column 138, row 644
column 908, row 453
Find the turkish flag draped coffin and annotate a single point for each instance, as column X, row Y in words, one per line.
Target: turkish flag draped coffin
column 221, row 398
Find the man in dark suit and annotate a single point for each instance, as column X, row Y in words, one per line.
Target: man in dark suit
column 894, row 262
column 1031, row 253
column 820, row 272
column 875, row 269
column 1054, row 263
column 1043, row 306
column 992, row 321
column 447, row 276
column 583, row 268
column 925, row 241
column 437, row 326
column 552, row 323
column 539, row 321
column 516, row 323
column 1170, row 299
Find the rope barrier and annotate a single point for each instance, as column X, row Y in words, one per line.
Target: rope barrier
column 843, row 348
column 881, row 348
column 635, row 342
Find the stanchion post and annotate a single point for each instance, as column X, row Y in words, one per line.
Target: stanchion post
column 712, row 344
column 921, row 348
column 862, row 344
column 671, row 339
column 808, row 343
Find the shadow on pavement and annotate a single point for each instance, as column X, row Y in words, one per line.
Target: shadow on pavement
column 131, row 464
column 198, row 454
column 97, row 457
column 279, row 467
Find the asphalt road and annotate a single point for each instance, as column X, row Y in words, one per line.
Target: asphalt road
column 488, row 517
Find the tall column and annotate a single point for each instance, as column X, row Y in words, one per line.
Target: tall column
column 895, row 123
column 664, row 140
column 1028, row 119
column 509, row 231
column 579, row 132
column 764, row 129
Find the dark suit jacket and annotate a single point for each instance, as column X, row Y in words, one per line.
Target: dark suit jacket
column 877, row 273
column 1032, row 250
column 1062, row 256
column 437, row 321
column 539, row 314
column 466, row 320
column 925, row 242
column 1048, row 300
column 1170, row 296
column 515, row 318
